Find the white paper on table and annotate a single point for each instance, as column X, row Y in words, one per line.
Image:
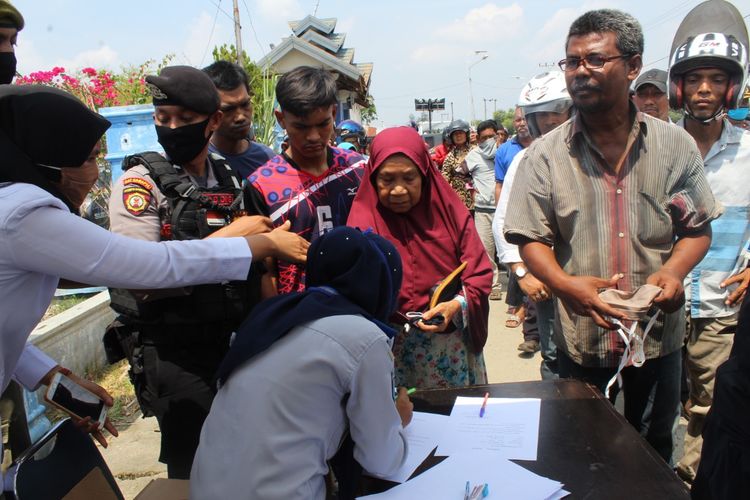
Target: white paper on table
column 447, row 480
column 510, row 426
column 559, row 495
column 422, row 436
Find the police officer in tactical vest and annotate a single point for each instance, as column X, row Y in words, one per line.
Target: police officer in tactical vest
column 179, row 336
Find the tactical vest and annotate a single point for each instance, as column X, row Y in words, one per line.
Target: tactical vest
column 193, row 212
column 207, row 311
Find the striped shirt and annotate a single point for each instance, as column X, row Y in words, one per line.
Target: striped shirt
column 601, row 223
column 727, row 167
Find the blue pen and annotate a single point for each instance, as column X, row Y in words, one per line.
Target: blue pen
column 484, row 404
column 466, row 495
column 480, row 491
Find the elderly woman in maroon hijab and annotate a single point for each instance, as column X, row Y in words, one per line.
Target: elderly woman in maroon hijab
column 408, row 202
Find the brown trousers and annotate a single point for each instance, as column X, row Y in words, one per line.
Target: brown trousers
column 708, row 346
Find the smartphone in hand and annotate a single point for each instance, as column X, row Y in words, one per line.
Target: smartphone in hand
column 70, row 397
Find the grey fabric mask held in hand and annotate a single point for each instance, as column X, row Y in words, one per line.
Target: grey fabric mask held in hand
column 635, row 305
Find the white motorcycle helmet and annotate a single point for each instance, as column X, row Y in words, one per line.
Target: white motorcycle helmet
column 545, row 92
column 715, row 50
column 712, row 35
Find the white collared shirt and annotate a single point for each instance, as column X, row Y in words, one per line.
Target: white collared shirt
column 41, row 241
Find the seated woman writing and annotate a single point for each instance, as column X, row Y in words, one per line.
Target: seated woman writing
column 405, row 199
column 302, row 368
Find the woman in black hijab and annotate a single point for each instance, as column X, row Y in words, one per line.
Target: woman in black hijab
column 39, row 126
column 45, row 137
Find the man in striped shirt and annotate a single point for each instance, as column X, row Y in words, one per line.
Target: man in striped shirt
column 613, row 198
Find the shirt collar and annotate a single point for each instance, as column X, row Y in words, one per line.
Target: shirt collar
column 293, row 164
column 578, row 128
column 729, row 133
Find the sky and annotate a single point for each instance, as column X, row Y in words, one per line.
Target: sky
column 420, row 49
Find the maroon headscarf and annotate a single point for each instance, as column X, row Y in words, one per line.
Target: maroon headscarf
column 433, row 238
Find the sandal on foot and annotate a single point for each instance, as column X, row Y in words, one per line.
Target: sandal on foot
column 513, row 321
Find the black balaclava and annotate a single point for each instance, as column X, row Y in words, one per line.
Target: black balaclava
column 42, row 127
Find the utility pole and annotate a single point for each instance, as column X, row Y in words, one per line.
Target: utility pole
column 237, row 29
column 451, row 110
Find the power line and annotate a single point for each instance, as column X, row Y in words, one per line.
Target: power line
column 662, row 18
column 252, row 28
column 651, row 63
column 218, row 6
column 211, row 35
column 496, row 86
column 421, row 91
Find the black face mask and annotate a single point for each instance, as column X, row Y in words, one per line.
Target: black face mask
column 7, row 67
column 182, row 144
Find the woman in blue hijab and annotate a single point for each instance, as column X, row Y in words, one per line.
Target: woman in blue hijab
column 302, row 369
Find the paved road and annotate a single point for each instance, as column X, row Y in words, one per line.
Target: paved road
column 133, row 457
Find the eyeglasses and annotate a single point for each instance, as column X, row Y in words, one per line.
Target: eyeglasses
column 591, row 61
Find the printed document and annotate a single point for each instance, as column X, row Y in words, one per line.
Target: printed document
column 509, row 427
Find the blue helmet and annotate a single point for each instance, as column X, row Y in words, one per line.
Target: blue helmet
column 348, row 129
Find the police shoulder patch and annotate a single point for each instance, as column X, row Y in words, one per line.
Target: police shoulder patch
column 138, row 181
column 136, row 199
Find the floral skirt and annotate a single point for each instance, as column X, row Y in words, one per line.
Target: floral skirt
column 432, row 360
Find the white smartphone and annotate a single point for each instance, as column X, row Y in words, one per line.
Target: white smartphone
column 70, row 397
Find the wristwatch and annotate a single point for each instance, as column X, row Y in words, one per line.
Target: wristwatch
column 520, row 272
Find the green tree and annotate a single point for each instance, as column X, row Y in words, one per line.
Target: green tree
column 370, row 113
column 263, row 90
column 505, row 118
